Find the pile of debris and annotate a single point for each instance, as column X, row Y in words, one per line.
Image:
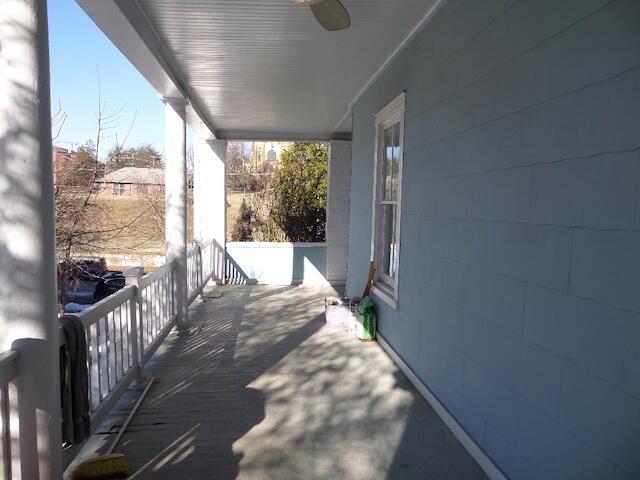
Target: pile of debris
column 85, row 281
column 355, row 315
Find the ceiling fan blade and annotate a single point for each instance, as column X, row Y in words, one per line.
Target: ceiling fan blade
column 331, row 14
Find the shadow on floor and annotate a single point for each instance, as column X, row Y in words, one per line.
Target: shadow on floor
column 202, row 403
column 265, row 391
column 428, row 449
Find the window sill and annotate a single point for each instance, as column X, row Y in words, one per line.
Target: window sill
column 385, row 296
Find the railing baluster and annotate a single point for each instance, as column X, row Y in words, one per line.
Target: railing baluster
column 200, row 266
column 143, row 318
column 144, row 321
column 149, row 318
column 100, row 352
column 105, row 357
column 152, row 310
column 159, row 301
column 112, row 351
column 120, row 344
column 167, row 295
column 89, row 364
column 156, row 307
column 164, row 303
column 173, row 292
column 5, row 418
column 168, row 292
column 143, row 314
column 131, row 312
column 125, row 332
column 96, row 388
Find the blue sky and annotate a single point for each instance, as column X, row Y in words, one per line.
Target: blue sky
column 78, row 50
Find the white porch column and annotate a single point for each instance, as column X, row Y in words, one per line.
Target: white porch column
column 337, row 234
column 28, row 292
column 210, row 195
column 175, row 191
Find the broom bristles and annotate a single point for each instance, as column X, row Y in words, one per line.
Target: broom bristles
column 102, row 468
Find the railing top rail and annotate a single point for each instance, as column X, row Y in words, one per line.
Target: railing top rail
column 105, row 306
column 207, row 243
column 8, row 366
column 266, row 245
column 157, row 274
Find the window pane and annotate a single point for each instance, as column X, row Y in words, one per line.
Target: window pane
column 387, row 153
column 391, row 162
column 388, row 243
column 395, row 162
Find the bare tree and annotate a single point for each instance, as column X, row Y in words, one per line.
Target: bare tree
column 58, row 120
column 82, row 224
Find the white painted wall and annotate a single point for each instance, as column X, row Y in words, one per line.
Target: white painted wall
column 277, row 263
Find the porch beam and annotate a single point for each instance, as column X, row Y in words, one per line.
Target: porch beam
column 175, row 192
column 28, row 291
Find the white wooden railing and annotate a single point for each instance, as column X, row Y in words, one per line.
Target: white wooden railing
column 156, row 306
column 122, row 332
column 112, row 350
column 8, row 373
column 213, row 261
column 204, row 261
column 194, row 264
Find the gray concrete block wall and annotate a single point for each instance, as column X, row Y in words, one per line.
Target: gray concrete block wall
column 519, row 300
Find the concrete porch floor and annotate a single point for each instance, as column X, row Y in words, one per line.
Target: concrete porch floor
column 264, row 391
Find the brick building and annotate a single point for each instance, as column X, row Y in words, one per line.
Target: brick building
column 60, row 157
column 132, row 182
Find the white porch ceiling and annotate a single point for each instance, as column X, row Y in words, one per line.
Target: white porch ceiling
column 259, row 69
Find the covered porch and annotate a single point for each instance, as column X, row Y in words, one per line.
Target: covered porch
column 499, row 138
column 265, row 391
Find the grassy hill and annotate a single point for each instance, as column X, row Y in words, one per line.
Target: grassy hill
column 137, row 225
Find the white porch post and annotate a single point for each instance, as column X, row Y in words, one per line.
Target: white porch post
column 175, row 192
column 210, row 195
column 337, row 233
column 28, row 292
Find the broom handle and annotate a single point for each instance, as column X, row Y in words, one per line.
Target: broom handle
column 372, row 273
column 130, row 417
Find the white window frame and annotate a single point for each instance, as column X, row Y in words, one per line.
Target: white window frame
column 384, row 287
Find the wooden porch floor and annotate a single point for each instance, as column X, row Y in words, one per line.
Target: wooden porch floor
column 264, row 391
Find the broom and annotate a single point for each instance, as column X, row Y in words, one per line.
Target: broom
column 370, row 278
column 110, row 465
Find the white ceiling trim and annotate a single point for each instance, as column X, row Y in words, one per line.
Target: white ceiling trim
column 127, row 26
column 250, row 136
column 410, row 36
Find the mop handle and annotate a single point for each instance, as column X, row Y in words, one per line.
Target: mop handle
column 130, row 417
